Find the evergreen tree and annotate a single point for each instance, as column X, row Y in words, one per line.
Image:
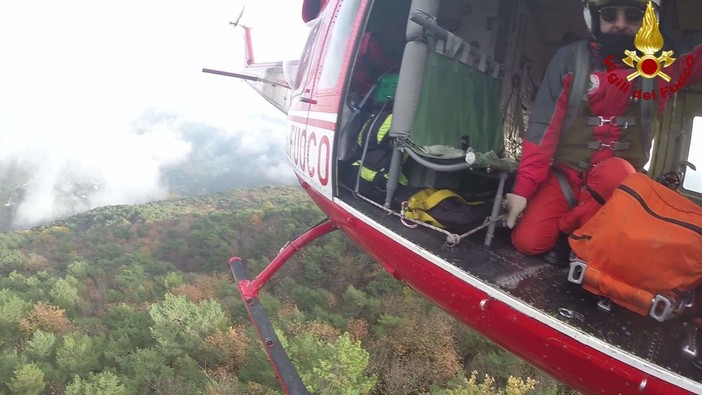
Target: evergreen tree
column 79, row 354
column 64, row 293
column 104, row 383
column 332, row 367
column 41, row 346
column 28, row 380
column 180, row 326
column 12, row 309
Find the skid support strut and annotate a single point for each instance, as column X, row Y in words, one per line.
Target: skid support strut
column 249, row 289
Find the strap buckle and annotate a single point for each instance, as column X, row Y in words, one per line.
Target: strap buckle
column 612, row 120
column 613, row 145
column 623, row 122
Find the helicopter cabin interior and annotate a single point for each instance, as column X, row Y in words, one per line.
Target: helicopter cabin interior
column 446, row 99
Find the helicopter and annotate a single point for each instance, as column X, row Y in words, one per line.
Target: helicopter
column 523, row 304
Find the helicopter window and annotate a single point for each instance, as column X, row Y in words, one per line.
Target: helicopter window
column 693, row 178
column 296, row 71
column 338, row 42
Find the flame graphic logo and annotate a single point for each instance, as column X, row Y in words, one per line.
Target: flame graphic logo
column 648, row 41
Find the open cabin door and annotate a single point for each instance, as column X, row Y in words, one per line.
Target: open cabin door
column 314, row 114
column 688, row 153
column 302, row 81
column 677, row 154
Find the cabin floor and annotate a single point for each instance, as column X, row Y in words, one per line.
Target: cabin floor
column 546, row 288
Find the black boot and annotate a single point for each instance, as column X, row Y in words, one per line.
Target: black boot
column 559, row 255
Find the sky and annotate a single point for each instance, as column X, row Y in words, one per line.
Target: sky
column 111, row 93
column 693, row 178
column 104, row 92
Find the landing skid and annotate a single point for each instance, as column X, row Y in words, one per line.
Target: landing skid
column 249, row 289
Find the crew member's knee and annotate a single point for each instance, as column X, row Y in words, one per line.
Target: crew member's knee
column 614, row 167
column 608, row 174
column 531, row 242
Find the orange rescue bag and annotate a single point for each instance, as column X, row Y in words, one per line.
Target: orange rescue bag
column 643, row 247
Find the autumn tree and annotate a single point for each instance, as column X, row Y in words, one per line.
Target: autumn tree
column 462, row 385
column 47, row 318
column 226, row 349
column 415, row 348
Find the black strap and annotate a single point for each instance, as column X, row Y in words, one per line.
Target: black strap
column 565, row 187
column 595, row 195
column 646, row 86
column 620, row 121
column 614, row 145
column 581, row 74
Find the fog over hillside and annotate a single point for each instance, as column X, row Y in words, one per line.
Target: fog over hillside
column 106, row 104
column 158, row 155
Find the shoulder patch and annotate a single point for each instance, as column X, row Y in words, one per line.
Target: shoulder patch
column 594, row 83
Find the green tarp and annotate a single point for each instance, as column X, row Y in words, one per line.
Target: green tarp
column 458, row 100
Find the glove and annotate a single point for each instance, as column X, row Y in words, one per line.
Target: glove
column 514, row 204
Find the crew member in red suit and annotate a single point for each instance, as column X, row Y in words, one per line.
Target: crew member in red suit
column 603, row 144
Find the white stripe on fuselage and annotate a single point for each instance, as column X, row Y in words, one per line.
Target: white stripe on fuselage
column 316, row 115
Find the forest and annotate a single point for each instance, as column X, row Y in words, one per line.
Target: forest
column 140, row 300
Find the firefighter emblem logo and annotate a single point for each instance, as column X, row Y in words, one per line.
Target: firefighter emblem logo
column 648, row 41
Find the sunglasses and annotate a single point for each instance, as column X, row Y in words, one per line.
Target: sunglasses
column 632, row 14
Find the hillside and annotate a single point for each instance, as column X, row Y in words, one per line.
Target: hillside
column 190, row 159
column 139, row 299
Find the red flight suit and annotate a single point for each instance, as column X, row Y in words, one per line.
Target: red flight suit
column 546, row 145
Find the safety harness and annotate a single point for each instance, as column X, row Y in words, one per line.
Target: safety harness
column 581, row 73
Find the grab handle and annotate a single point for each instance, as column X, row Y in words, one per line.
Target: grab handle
column 576, row 274
column 662, row 308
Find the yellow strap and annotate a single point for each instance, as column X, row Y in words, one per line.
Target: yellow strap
column 427, row 198
column 420, row 215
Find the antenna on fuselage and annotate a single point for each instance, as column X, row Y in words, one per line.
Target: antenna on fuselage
column 247, row 36
column 235, row 23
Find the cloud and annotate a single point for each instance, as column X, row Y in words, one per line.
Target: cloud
column 75, row 164
column 158, row 155
column 106, row 104
column 89, row 166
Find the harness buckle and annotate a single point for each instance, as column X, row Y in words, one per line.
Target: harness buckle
column 612, row 120
column 612, row 145
column 623, row 122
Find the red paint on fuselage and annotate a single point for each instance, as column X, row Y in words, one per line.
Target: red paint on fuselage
column 573, row 362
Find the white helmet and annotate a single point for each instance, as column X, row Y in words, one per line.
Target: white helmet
column 592, row 6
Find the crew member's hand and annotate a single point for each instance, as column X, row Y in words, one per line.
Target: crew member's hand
column 514, row 204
